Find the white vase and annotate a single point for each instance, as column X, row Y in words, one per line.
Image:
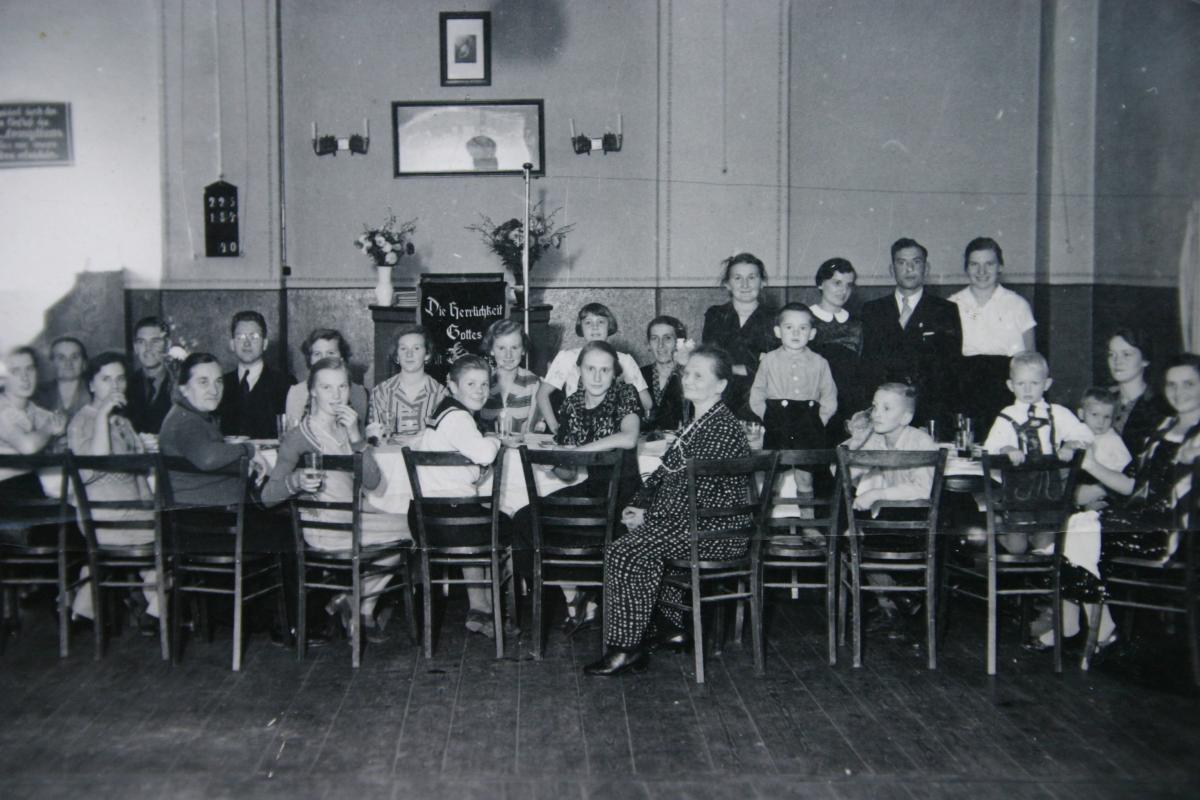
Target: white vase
column 383, row 286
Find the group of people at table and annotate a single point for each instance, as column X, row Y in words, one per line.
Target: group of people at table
column 814, row 376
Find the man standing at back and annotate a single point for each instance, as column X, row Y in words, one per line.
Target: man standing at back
column 151, row 384
column 912, row 337
column 254, row 392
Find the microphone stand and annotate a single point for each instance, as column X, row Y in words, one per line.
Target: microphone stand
column 526, row 167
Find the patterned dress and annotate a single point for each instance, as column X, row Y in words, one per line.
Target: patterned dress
column 635, row 562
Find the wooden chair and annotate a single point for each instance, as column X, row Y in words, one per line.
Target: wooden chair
column 804, row 563
column 118, row 566
column 1152, row 585
column 444, row 516
column 735, row 579
column 914, row 555
column 231, row 572
column 38, row 563
column 569, row 532
column 1033, row 500
column 344, row 570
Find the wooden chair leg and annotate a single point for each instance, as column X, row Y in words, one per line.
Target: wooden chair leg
column 843, row 601
column 64, row 607
column 1193, row 633
column 94, row 578
column 407, row 597
column 1057, row 620
column 301, row 604
column 538, row 599
column 160, row 589
column 739, row 616
column 355, row 613
column 719, row 610
column 497, row 576
column 931, row 613
column 756, row 621
column 856, row 600
column 176, row 622
column 697, row 627
column 992, row 601
column 238, row 594
column 832, row 600
column 427, row 611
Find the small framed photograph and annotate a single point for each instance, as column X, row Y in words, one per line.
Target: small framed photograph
column 466, row 44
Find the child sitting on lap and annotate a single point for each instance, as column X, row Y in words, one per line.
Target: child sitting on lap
column 1106, row 457
column 594, row 323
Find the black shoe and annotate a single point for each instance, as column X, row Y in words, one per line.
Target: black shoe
column 147, row 626
column 906, row 605
column 618, row 662
column 678, row 640
column 573, row 625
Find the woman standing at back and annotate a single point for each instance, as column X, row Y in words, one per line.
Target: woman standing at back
column 744, row 327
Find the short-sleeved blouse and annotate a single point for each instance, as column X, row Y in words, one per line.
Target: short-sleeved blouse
column 578, row 424
column 14, row 421
column 995, row 328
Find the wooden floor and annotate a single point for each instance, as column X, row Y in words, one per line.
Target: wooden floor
column 466, row 725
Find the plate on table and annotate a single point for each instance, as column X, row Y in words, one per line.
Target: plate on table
column 542, row 440
column 236, row 439
column 265, row 444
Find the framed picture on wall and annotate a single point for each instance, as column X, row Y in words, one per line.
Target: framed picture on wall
column 466, row 45
column 467, row 137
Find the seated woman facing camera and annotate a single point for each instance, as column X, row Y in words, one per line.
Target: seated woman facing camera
column 604, row 413
column 323, row 343
column 657, row 522
column 511, row 405
column 667, row 409
column 332, row 427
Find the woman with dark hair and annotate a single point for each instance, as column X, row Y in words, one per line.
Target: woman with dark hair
column 839, row 340
column 511, row 406
column 663, row 334
column 657, row 523
column 320, row 344
column 100, row 428
column 604, row 413
column 744, row 327
column 191, row 431
column 997, row 323
column 401, row 404
column 1157, row 497
column 1140, row 409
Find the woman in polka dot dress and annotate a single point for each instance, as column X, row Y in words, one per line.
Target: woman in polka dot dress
column 657, row 521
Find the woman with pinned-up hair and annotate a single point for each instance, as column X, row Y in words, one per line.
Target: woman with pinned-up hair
column 744, row 327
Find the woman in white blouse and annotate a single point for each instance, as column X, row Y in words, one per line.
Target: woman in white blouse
column 997, row 323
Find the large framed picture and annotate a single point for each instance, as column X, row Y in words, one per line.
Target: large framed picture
column 468, row 137
column 466, row 46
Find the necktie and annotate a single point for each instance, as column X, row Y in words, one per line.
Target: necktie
column 905, row 312
column 245, row 383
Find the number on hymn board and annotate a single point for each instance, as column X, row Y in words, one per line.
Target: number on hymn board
column 221, row 220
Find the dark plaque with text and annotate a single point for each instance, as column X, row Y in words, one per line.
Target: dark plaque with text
column 221, row 219
column 457, row 310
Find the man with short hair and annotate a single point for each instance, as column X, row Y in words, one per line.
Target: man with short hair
column 254, row 392
column 151, row 384
column 910, row 336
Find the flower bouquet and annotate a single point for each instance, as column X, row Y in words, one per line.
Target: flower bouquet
column 386, row 245
column 507, row 239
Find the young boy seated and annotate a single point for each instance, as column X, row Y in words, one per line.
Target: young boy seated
column 1106, row 457
column 1032, row 428
column 887, row 427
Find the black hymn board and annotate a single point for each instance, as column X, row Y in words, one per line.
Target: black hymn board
column 221, row 220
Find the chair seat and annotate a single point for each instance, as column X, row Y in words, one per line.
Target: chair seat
column 1146, row 563
column 794, row 547
column 890, row 554
column 224, row 558
column 126, row 550
column 685, row 563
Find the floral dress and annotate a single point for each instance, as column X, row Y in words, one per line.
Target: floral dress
column 635, row 563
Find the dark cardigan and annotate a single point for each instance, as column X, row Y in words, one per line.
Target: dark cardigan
column 194, row 435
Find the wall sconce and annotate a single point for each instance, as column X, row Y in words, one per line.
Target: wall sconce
column 330, row 145
column 608, row 143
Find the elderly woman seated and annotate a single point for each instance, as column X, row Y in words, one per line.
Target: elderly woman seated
column 657, row 523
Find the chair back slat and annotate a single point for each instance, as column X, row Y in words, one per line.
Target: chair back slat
column 352, row 466
column 755, row 504
column 1035, row 497
column 574, row 515
column 850, row 461
column 417, row 460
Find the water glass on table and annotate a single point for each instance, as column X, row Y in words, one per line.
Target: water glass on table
column 281, row 426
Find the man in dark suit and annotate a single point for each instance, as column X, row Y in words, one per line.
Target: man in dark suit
column 151, row 384
column 254, row 392
column 912, row 337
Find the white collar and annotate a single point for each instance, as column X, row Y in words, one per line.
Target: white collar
column 913, row 298
column 251, row 373
column 1030, row 407
column 841, row 315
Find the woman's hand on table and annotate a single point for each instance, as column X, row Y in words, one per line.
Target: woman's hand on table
column 633, row 517
column 259, row 468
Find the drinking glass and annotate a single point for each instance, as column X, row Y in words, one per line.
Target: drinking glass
column 281, row 425
column 313, row 466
